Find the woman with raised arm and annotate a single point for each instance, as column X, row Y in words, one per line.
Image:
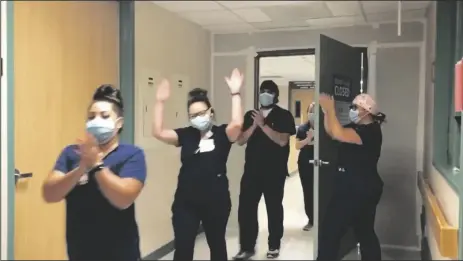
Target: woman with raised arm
column 305, row 145
column 202, row 194
column 100, row 178
column 358, row 186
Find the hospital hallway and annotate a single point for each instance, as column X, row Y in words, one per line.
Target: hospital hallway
column 296, row 243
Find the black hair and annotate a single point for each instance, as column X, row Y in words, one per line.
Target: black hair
column 379, row 118
column 198, row 95
column 111, row 94
column 272, row 87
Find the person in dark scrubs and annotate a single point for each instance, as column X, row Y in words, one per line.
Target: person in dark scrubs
column 100, row 178
column 358, row 186
column 305, row 143
column 266, row 132
column 202, row 194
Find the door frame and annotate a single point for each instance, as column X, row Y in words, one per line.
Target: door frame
column 7, row 160
column 7, row 131
column 275, row 53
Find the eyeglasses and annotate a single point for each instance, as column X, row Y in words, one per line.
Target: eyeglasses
column 201, row 113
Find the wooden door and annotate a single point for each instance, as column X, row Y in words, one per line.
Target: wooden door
column 63, row 51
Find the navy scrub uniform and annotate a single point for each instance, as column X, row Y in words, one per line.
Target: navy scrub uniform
column 358, row 189
column 306, row 154
column 202, row 194
column 96, row 230
column 265, row 172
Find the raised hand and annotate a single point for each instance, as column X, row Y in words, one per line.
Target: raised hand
column 326, row 102
column 163, row 91
column 235, row 81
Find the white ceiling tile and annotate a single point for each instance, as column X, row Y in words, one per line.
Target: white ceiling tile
column 189, row 6
column 251, row 4
column 344, row 8
column 379, row 6
column 280, row 24
column 252, row 15
column 229, row 28
column 212, row 17
column 290, row 68
column 302, row 11
column 336, row 21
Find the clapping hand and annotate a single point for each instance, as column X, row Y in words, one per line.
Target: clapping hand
column 163, row 91
column 235, row 81
column 89, row 151
column 258, row 118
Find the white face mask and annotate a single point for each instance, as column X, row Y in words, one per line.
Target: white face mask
column 201, row 123
column 102, row 129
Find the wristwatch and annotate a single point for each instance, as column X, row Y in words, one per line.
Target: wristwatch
column 96, row 169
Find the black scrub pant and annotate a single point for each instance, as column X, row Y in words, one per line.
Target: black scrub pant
column 253, row 185
column 306, row 175
column 351, row 207
column 213, row 213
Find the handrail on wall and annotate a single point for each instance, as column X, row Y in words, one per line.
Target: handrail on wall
column 446, row 236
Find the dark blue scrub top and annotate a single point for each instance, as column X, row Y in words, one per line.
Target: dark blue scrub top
column 95, row 228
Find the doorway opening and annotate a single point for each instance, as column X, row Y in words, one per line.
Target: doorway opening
column 293, row 71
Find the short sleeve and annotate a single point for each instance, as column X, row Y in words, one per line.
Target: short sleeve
column 181, row 134
column 285, row 123
column 368, row 134
column 301, row 132
column 134, row 167
column 62, row 163
column 221, row 131
column 247, row 121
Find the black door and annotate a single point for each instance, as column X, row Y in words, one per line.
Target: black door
column 338, row 73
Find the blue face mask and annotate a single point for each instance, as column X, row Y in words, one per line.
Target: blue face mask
column 354, row 116
column 102, row 129
column 201, row 123
column 266, row 99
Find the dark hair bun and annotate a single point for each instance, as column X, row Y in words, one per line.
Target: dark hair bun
column 380, row 117
column 197, row 92
column 108, row 92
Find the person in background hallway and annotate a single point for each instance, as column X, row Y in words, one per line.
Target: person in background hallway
column 267, row 132
column 202, row 194
column 358, row 186
column 304, row 143
column 100, row 178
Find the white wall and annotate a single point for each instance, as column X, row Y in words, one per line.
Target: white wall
column 238, row 50
column 166, row 45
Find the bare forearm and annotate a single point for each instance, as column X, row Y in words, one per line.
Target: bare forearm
column 158, row 119
column 237, row 111
column 276, row 137
column 301, row 143
column 327, row 125
column 335, row 126
column 244, row 137
column 114, row 189
column 57, row 186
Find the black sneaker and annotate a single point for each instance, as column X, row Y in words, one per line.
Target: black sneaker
column 244, row 255
column 273, row 253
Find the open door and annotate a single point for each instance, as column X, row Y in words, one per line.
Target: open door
column 338, row 72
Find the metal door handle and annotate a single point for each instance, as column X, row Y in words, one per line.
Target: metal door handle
column 318, row 162
column 18, row 175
